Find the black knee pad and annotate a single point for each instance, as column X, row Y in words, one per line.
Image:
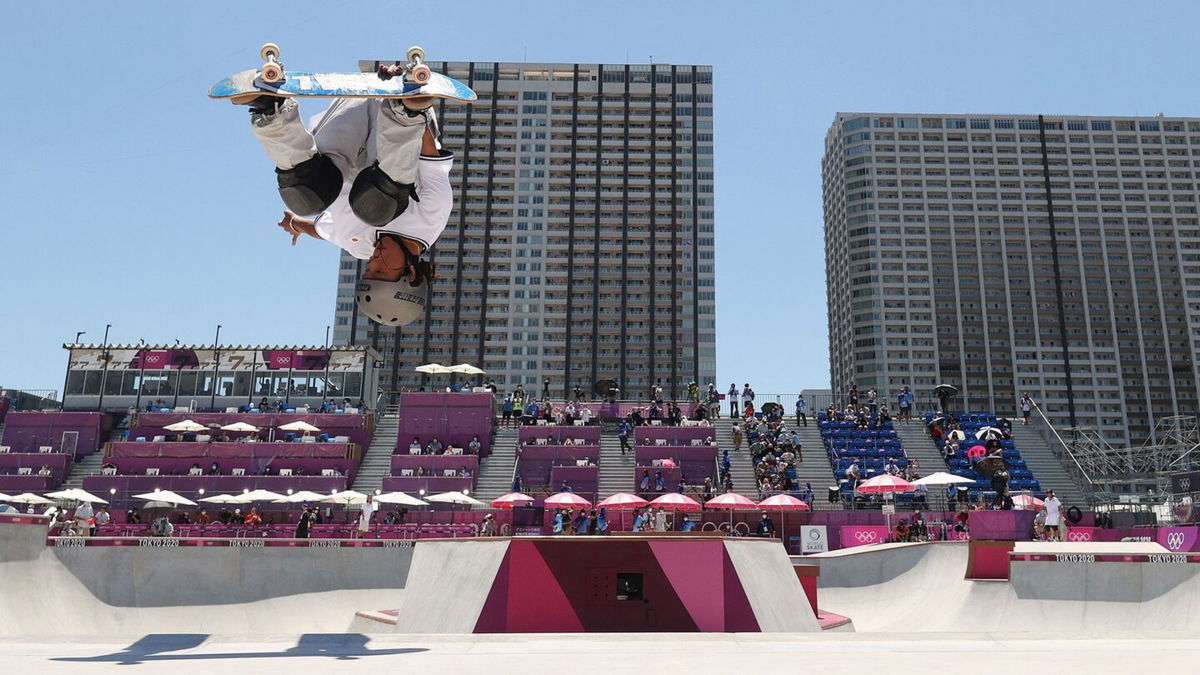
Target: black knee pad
column 377, row 199
column 311, row 186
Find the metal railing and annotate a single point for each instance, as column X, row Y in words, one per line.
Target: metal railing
column 1074, row 468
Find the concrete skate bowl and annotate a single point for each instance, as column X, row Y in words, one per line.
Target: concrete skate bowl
column 921, row 588
column 138, row 589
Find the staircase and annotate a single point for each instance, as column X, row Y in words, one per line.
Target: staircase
column 1046, row 468
column 919, row 446
column 740, row 467
column 377, row 459
column 89, row 465
column 496, row 470
column 616, row 470
column 815, row 470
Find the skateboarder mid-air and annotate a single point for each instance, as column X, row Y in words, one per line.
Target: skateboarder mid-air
column 375, row 181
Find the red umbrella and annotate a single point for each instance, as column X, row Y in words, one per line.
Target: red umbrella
column 622, row 501
column 510, row 500
column 673, row 501
column 885, row 482
column 567, row 500
column 783, row 503
column 731, row 501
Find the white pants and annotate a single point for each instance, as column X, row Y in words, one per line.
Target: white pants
column 353, row 132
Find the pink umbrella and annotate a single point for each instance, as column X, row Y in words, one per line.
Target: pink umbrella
column 511, row 500
column 567, row 500
column 783, row 503
column 731, row 501
column 885, row 482
column 673, row 501
column 1028, row 502
column 622, row 501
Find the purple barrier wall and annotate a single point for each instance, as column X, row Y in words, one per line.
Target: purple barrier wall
column 434, row 465
column 583, row 480
column 262, row 451
column 695, row 462
column 430, row 484
column 26, row 431
column 179, row 466
column 360, row 436
column 13, row 484
column 557, row 434
column 566, row 454
column 614, row 410
column 5, row 406
column 57, row 462
column 446, row 416
column 187, row 486
column 673, row 435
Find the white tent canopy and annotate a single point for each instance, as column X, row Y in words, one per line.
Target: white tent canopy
column 400, row 498
column 260, row 495
column 224, row 499
column 345, row 497
column 28, row 498
column 466, row 369
column 166, row 497
column 433, row 369
column 76, row 494
column 239, row 426
column 299, row 425
column 301, row 497
column 454, row 498
column 186, row 425
column 941, row 478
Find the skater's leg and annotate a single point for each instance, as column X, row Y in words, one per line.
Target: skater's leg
column 381, row 192
column 308, row 181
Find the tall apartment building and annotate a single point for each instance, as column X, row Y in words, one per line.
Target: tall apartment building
column 581, row 243
column 1002, row 254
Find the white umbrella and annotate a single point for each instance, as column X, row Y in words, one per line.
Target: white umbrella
column 29, row 498
column 76, row 494
column 301, row 497
column 298, row 425
column 261, row 495
column 956, row 435
column 400, row 498
column 224, row 499
column 454, row 498
column 345, row 497
column 433, row 369
column 166, row 497
column 466, row 369
column 4, row 497
column 239, row 426
column 941, row 478
column 186, row 425
column 989, row 432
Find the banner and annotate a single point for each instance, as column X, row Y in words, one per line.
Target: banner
column 1178, row 539
column 863, row 535
column 813, row 539
column 231, row 360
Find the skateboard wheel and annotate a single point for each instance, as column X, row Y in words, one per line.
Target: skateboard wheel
column 415, row 54
column 269, row 52
column 272, row 73
column 421, row 74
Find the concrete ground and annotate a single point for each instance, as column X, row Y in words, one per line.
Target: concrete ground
column 180, row 654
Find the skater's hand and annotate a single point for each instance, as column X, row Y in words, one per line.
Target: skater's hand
column 296, row 226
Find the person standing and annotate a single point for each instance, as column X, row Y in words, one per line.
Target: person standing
column 84, row 522
column 733, row 400
column 369, row 508
column 1026, row 407
column 623, row 433
column 904, row 400
column 1053, row 516
column 766, row 526
column 304, row 527
column 748, row 396
column 801, row 410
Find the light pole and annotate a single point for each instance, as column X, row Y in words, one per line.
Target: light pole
column 67, row 379
column 328, row 358
column 104, row 372
column 216, row 367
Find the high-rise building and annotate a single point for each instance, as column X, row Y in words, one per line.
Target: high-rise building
column 1004, row 254
column 581, row 244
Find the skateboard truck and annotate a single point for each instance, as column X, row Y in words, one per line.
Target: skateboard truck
column 414, row 70
column 272, row 69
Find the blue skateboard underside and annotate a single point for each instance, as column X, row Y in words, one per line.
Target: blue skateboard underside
column 340, row 85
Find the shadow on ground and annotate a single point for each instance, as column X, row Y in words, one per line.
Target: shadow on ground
column 158, row 648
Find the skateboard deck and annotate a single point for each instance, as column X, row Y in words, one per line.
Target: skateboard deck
column 405, row 80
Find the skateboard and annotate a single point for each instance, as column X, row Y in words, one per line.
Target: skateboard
column 387, row 79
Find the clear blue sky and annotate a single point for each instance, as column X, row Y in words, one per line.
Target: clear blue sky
column 132, row 199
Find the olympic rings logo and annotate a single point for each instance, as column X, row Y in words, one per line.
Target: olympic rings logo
column 1175, row 541
column 864, row 537
column 1079, row 536
column 1185, row 484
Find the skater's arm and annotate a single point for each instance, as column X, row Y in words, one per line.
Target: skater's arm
column 296, row 226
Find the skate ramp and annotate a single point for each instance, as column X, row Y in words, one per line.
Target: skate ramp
column 132, row 590
column 921, row 587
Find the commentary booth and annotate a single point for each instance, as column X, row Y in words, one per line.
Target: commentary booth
column 218, row 378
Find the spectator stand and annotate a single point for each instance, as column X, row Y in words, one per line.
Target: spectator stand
column 677, row 453
column 1021, row 479
column 549, row 455
column 77, row 434
column 431, row 474
column 452, row 418
column 871, row 448
column 355, row 428
column 21, row 471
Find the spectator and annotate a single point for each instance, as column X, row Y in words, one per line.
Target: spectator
column 253, row 518
column 602, row 521
column 1053, row 516
column 1026, row 407
column 414, row 448
column 687, row 525
column 707, row 491
column 133, row 517
column 714, row 402
column 162, row 527
column 84, row 518
column 852, row 396
column 919, row 529
column 565, row 487
column 103, row 517
column 304, row 526
column 904, row 402
column 765, row 527
column 749, row 411
column 557, row 527
column 44, row 471
column 639, row 520
column 732, row 395
column 660, row 483
column 506, row 411
column 369, row 508
column 214, row 470
column 681, row 486
column 748, row 396
column 902, row 531
column 807, row 497
column 854, row 474
column 516, row 484
column 585, row 415
column 488, row 529
column 435, row 447
column 801, row 411
column 872, row 400
column 474, row 446
column 202, row 518
column 623, row 433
